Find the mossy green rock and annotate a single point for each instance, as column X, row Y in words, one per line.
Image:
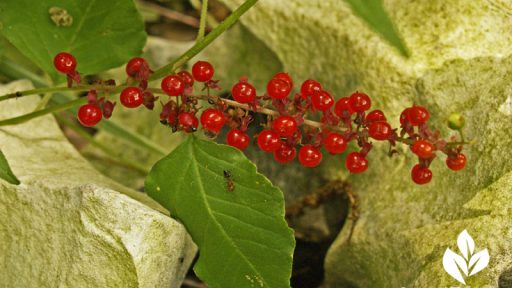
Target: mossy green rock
column 461, row 62
column 65, row 225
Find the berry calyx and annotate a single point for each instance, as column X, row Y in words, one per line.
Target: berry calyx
column 309, row 88
column 64, row 62
column 134, row 66
column 359, row 102
column 404, row 116
column 309, row 156
column 379, row 130
column 243, row 92
column 213, row 120
column 418, row 115
column 342, row 107
column 268, row 141
column 421, row 175
column 356, row 162
column 187, row 121
column 278, row 88
column 423, row 148
column 202, row 71
column 285, row 126
column 322, row 100
column 238, row 139
column 132, row 97
column 173, row 85
column 457, row 162
column 285, row 153
column 285, row 77
column 374, row 116
column 335, row 143
column 186, row 77
column 89, row 114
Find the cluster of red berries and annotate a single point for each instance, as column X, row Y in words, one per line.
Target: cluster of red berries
column 287, row 128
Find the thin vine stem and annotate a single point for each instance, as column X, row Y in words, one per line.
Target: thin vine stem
column 202, row 21
column 45, row 90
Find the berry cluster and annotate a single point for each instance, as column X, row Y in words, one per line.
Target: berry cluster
column 288, row 127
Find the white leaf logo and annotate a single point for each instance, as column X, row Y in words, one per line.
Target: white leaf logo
column 469, row 263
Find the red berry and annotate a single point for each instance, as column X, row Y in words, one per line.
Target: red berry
column 335, row 143
column 285, row 126
column 187, row 78
column 456, row 163
column 134, row 65
column 309, row 88
column 213, row 120
column 64, row 62
column 132, row 97
column 269, row 141
column 202, row 71
column 173, row 85
column 403, row 116
column 359, row 102
column 309, row 156
column 379, row 130
column 423, row 148
column 322, row 101
column 342, row 107
column 238, row 139
column 89, row 114
column 356, row 162
column 243, row 92
column 285, row 77
column 285, row 153
column 188, row 121
column 418, row 115
column 374, row 116
column 421, row 175
column 278, row 88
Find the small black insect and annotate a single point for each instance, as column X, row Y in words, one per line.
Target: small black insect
column 18, row 94
column 229, row 181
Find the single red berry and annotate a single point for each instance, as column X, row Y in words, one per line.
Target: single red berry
column 132, row 97
column 379, row 130
column 268, row 141
column 285, row 77
column 374, row 116
column 322, row 101
column 285, row 126
column 64, row 62
column 278, row 88
column 418, row 115
column 310, row 87
column 423, row 148
column 238, row 139
column 421, row 175
column 403, row 116
column 456, row 163
column 243, row 92
column 187, row 78
column 356, row 162
column 188, row 121
column 285, row 153
column 213, row 120
column 342, row 107
column 359, row 102
column 335, row 143
column 173, row 85
column 202, row 71
column 309, row 156
column 89, row 114
column 134, row 65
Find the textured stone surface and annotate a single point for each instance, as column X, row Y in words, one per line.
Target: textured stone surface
column 66, row 226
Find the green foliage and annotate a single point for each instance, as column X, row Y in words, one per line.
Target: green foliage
column 243, row 238
column 6, row 172
column 102, row 34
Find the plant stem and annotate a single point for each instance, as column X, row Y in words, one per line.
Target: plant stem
column 169, row 14
column 202, row 21
column 45, row 90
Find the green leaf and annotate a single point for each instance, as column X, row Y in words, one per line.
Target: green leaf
column 6, row 172
column 102, row 35
column 373, row 13
column 243, row 238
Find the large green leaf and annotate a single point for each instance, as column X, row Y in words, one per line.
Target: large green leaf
column 103, row 34
column 6, row 172
column 243, row 238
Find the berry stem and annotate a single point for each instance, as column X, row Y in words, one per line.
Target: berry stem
column 202, row 21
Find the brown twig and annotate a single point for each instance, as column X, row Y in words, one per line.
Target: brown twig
column 171, row 14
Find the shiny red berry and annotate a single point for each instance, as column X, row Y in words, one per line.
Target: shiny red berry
column 423, row 148
column 335, row 143
column 309, row 156
column 278, row 88
column 310, row 87
column 89, row 114
column 342, row 107
column 64, row 62
column 356, row 162
column 173, row 85
column 132, row 97
column 421, row 175
column 285, row 126
column 213, row 120
column 285, row 77
column 359, row 102
column 322, row 101
column 186, row 77
column 268, row 141
column 134, row 65
column 202, row 71
column 374, row 116
column 187, row 121
column 380, row 130
column 457, row 162
column 243, row 92
column 418, row 115
column 238, row 139
column 285, row 153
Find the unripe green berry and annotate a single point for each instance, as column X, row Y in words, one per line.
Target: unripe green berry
column 456, row 121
